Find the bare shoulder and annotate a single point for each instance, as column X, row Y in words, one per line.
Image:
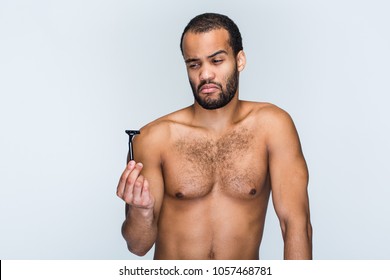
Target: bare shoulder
column 276, row 124
column 280, row 132
column 268, row 114
column 158, row 132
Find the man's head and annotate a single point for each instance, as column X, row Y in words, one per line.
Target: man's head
column 210, row 21
column 212, row 49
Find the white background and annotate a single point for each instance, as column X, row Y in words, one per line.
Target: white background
column 75, row 74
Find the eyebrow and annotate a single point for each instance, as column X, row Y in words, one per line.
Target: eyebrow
column 217, row 53
column 210, row 56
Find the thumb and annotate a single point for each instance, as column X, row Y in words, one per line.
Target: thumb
column 146, row 194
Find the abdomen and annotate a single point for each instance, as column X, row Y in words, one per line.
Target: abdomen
column 212, row 227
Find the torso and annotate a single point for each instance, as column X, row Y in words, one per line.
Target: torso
column 216, row 192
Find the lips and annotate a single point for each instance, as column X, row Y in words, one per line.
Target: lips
column 209, row 88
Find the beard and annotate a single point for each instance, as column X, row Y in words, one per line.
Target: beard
column 224, row 97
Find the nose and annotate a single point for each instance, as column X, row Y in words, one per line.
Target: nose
column 206, row 73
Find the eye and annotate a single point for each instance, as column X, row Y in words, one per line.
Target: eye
column 193, row 65
column 217, row 61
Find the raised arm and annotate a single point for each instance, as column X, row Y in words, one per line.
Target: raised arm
column 141, row 186
column 289, row 179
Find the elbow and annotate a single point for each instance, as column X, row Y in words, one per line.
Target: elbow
column 138, row 247
column 297, row 236
column 138, row 251
column 138, row 243
column 309, row 229
column 302, row 226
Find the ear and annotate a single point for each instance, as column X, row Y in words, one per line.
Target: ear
column 241, row 60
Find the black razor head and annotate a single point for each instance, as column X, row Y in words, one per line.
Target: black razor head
column 132, row 132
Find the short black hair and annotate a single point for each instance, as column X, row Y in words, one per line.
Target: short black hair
column 211, row 21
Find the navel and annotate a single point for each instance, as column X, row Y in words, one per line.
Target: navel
column 252, row 192
column 211, row 255
column 179, row 195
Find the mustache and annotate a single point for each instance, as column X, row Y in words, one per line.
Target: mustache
column 208, row 82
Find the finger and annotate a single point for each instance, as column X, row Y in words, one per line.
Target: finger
column 131, row 179
column 122, row 180
column 145, row 189
column 130, row 165
column 146, row 196
column 138, row 190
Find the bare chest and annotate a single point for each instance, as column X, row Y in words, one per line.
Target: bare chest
column 235, row 164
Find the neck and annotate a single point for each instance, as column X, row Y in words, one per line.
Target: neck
column 217, row 119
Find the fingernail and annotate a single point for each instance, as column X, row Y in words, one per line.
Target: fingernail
column 132, row 163
column 140, row 164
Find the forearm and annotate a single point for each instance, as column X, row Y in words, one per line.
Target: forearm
column 139, row 230
column 298, row 241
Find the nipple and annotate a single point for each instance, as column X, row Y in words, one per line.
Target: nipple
column 179, row 195
column 252, row 192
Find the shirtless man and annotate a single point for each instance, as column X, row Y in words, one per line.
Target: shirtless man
column 204, row 174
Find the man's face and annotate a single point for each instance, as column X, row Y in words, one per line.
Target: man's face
column 212, row 68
